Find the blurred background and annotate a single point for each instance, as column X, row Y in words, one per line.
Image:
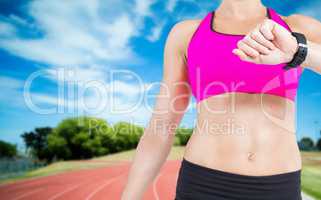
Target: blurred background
column 78, row 81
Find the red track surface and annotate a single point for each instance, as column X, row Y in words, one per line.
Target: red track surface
column 94, row 184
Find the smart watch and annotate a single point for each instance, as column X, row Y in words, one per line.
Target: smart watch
column 300, row 56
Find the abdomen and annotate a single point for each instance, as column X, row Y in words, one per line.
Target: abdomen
column 246, row 134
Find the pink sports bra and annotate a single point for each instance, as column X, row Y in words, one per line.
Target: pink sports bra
column 214, row 70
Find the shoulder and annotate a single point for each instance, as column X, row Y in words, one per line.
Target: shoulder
column 186, row 26
column 181, row 33
column 309, row 26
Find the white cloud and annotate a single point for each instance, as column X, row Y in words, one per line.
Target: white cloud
column 156, row 32
column 116, row 99
column 87, row 37
column 78, row 36
column 86, row 91
column 142, row 7
column 19, row 21
column 9, row 83
column 127, row 106
column 171, row 4
column 126, row 89
column 76, row 75
column 6, row 29
column 125, row 83
column 77, row 32
column 49, row 99
column 10, row 93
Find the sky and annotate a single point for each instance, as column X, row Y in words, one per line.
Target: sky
column 104, row 58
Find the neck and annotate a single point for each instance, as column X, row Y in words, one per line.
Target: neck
column 241, row 9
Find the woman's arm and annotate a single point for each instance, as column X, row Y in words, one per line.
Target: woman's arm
column 270, row 43
column 171, row 103
column 313, row 60
column 312, row 29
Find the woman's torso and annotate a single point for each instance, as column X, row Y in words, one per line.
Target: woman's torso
column 238, row 132
column 234, row 134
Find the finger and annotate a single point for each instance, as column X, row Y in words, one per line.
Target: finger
column 247, row 49
column 255, row 45
column 280, row 31
column 242, row 55
column 258, row 37
column 267, row 29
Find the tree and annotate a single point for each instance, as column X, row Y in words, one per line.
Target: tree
column 79, row 138
column 126, row 136
column 183, row 135
column 306, row 144
column 57, row 146
column 318, row 145
column 7, row 150
column 82, row 138
column 36, row 143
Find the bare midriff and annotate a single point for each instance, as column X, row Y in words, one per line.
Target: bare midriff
column 248, row 134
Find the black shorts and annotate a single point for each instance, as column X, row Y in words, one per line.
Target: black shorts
column 196, row 182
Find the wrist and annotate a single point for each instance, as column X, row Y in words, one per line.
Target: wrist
column 294, row 47
column 301, row 51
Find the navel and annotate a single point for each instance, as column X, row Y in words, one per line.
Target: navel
column 250, row 156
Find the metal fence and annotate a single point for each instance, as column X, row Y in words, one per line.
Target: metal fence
column 18, row 166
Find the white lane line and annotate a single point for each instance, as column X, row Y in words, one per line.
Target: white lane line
column 306, row 197
column 28, row 194
column 64, row 192
column 29, row 182
column 155, row 186
column 21, row 185
column 36, row 180
column 68, row 190
column 91, row 195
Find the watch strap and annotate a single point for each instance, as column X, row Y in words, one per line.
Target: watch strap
column 300, row 56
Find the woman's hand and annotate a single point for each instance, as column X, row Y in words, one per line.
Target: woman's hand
column 269, row 43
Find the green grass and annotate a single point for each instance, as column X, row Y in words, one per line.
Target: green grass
column 54, row 168
column 311, row 173
column 175, row 154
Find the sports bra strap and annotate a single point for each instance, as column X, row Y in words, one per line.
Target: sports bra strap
column 277, row 18
column 206, row 23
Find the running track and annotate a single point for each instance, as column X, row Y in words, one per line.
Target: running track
column 94, row 184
